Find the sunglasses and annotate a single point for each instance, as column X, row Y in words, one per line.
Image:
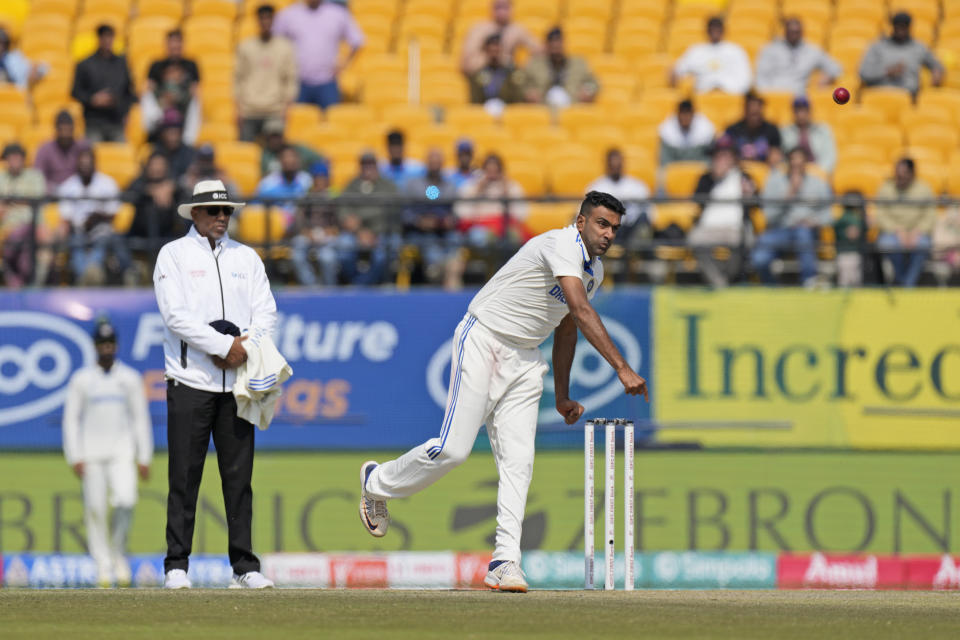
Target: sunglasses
column 215, row 211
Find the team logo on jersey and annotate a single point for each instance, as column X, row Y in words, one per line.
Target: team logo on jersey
column 36, row 359
column 590, row 285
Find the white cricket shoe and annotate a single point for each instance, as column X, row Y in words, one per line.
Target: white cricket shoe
column 373, row 512
column 508, row 576
column 121, row 569
column 251, row 580
column 176, row 579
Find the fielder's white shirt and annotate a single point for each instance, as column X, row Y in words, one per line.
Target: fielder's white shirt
column 105, row 416
column 196, row 285
column 724, row 66
column 523, row 302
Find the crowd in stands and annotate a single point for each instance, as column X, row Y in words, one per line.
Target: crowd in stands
column 764, row 191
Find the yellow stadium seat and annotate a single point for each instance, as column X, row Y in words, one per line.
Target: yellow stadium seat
column 888, row 136
column 529, row 175
column 150, row 31
column 936, row 136
column 697, row 9
column 448, row 91
column 544, row 216
column 571, row 178
column 300, row 114
column 118, row 160
column 577, row 116
column 46, row 114
column 892, row 102
column 721, row 108
column 653, row 9
column 66, row 8
column 258, row 225
column 16, row 114
column 526, row 9
column 466, row 118
column 216, row 132
column 124, row 217
column 405, row 116
column 489, row 140
column 245, row 176
column 948, row 99
column 759, row 171
column 380, row 90
column 522, row 116
column 546, row 137
column 680, row 178
column 924, row 155
column 118, row 7
column 599, row 138
column 170, row 8
column 350, row 116
column 432, row 26
column 439, row 137
column 216, row 8
column 441, row 8
column 860, row 177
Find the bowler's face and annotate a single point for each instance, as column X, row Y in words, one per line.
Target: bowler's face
column 598, row 229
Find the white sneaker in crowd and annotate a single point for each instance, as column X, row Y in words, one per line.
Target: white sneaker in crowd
column 508, row 576
column 251, row 580
column 176, row 579
column 373, row 512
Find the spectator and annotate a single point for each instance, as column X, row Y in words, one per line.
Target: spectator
column 512, row 37
column 815, row 138
column 557, row 79
column 154, row 195
column 464, row 171
column 274, row 142
column 368, row 229
column 896, row 61
column 397, row 167
column 57, row 159
column 205, row 167
column 715, row 65
column 686, row 136
column 431, row 226
column 632, row 192
column 483, row 220
column 786, row 65
column 265, row 77
column 284, row 187
column 722, row 223
column 851, row 233
column 15, row 68
column 495, row 84
column 316, row 28
column 170, row 144
column 792, row 226
column 906, row 222
column 88, row 205
column 102, row 84
column 315, row 233
column 16, row 218
column 172, row 86
column 755, row 137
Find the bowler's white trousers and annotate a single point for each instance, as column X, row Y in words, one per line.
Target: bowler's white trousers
column 491, row 383
column 119, row 475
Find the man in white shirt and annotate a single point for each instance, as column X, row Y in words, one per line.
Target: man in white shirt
column 107, row 439
column 209, row 289
column 497, row 375
column 88, row 203
column 717, row 65
column 787, row 64
column 633, row 193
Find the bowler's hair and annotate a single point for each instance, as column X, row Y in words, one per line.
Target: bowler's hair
column 596, row 199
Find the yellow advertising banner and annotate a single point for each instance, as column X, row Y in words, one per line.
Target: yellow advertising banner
column 871, row 369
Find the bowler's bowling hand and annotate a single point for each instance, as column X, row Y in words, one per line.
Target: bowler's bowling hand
column 235, row 357
column 144, row 470
column 633, row 384
column 571, row 410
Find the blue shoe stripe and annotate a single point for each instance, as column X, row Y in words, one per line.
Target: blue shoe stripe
column 435, row 451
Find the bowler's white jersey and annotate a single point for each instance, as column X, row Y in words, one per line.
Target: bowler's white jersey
column 105, row 416
column 523, row 302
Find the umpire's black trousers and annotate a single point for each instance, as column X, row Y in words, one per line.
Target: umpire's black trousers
column 192, row 415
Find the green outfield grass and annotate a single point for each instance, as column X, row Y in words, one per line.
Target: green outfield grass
column 784, row 615
column 874, row 501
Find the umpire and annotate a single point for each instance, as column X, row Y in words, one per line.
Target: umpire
column 209, row 289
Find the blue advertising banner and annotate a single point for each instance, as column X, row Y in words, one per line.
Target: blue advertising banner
column 370, row 368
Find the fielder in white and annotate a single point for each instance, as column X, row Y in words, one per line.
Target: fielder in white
column 496, row 375
column 107, row 439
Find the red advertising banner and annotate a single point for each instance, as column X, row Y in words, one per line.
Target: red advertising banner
column 827, row 571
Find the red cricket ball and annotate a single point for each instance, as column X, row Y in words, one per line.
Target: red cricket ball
column 841, row 95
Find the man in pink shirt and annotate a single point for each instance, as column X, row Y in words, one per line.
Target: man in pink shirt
column 316, row 28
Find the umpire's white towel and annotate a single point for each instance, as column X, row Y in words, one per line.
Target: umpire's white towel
column 257, row 387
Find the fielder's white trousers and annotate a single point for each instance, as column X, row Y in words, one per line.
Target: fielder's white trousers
column 118, row 476
column 491, row 383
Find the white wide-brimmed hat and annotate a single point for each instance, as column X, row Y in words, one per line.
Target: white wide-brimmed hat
column 208, row 193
